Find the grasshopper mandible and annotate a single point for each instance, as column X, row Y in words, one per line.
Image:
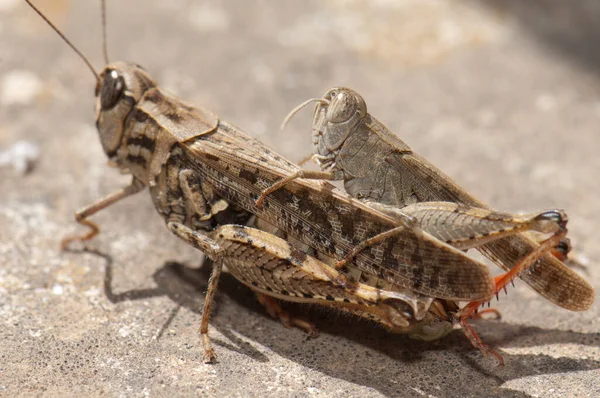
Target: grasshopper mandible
column 375, row 165
column 204, row 176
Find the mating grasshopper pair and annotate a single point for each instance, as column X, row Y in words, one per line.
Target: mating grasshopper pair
column 305, row 241
column 378, row 168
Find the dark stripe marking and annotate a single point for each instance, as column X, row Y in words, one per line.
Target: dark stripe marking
column 137, row 160
column 143, row 141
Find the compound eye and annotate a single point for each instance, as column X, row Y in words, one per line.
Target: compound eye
column 331, row 94
column 112, row 90
column 342, row 107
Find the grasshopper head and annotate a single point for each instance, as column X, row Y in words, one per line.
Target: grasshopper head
column 336, row 117
column 120, row 86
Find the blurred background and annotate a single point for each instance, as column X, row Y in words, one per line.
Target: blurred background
column 502, row 96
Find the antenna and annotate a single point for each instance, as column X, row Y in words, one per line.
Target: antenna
column 299, row 108
column 65, row 40
column 104, row 45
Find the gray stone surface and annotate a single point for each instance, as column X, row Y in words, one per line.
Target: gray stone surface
column 503, row 98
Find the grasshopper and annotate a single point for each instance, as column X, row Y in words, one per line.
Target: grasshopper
column 204, row 176
column 376, row 166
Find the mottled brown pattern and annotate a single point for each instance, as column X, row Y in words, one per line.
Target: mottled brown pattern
column 238, row 168
column 376, row 165
column 451, row 274
column 255, row 259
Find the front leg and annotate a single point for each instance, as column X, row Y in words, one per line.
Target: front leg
column 308, row 174
column 82, row 214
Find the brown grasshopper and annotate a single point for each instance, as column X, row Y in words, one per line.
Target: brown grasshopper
column 376, row 166
column 204, row 176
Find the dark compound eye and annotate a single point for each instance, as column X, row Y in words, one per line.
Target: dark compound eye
column 112, row 89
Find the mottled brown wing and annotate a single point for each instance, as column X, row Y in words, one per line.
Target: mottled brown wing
column 550, row 277
column 239, row 168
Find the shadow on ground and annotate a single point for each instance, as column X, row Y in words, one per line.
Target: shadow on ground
column 397, row 357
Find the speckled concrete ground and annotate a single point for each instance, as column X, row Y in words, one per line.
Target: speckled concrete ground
column 505, row 99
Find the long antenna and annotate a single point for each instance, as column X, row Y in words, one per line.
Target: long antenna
column 104, row 45
column 299, row 108
column 65, row 40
